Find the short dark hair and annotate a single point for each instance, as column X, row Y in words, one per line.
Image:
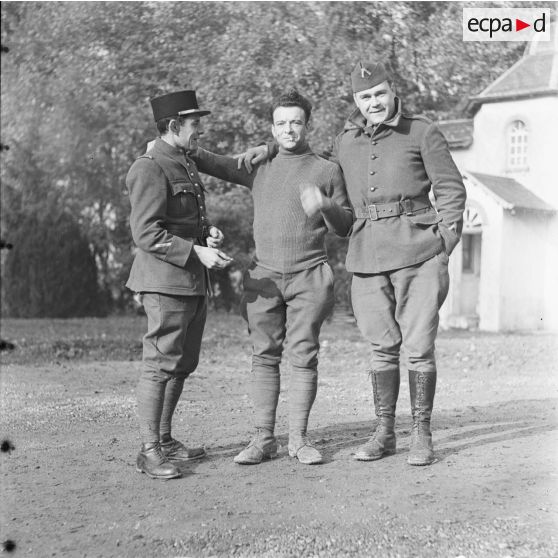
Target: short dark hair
column 163, row 124
column 292, row 98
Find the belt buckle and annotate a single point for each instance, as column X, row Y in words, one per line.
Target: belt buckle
column 372, row 212
column 407, row 207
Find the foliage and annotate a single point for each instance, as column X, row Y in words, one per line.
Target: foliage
column 50, row 271
column 77, row 79
column 232, row 211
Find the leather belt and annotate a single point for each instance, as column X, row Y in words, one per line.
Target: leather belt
column 187, row 231
column 377, row 211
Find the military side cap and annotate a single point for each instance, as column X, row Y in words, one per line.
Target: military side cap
column 369, row 74
column 182, row 103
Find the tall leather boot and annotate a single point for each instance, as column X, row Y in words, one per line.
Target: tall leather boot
column 422, row 386
column 382, row 442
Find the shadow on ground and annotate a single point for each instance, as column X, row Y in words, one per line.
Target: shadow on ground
column 500, row 422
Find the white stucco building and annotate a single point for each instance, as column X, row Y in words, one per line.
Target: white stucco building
column 504, row 273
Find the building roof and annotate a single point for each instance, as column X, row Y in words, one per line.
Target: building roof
column 458, row 133
column 511, row 193
column 529, row 75
column 534, row 75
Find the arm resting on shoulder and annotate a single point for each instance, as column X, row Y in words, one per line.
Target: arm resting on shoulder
column 222, row 167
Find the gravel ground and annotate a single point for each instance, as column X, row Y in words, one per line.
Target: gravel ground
column 69, row 486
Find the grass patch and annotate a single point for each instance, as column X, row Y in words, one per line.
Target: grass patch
column 48, row 340
column 39, row 341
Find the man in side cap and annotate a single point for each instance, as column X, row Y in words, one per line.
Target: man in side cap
column 176, row 245
column 399, row 247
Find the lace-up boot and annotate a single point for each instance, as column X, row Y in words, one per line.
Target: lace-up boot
column 154, row 464
column 382, row 441
column 174, row 450
column 262, row 446
column 422, row 386
column 303, row 449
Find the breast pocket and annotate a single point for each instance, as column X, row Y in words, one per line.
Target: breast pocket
column 183, row 199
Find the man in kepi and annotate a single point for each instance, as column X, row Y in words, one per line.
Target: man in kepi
column 176, row 245
column 288, row 291
column 399, row 247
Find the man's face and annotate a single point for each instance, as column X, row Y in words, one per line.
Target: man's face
column 289, row 127
column 377, row 103
column 190, row 131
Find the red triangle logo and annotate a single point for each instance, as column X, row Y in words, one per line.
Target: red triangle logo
column 519, row 25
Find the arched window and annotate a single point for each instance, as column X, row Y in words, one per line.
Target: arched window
column 472, row 221
column 517, row 145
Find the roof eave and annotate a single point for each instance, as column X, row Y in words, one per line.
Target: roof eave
column 506, row 205
column 465, row 144
column 548, row 211
column 501, row 201
column 475, row 103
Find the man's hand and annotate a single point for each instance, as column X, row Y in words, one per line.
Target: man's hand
column 215, row 238
column 212, row 258
column 312, row 199
column 252, row 156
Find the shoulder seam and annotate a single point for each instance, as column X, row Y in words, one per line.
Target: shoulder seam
column 149, row 158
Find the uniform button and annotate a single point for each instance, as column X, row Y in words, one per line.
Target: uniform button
column 374, row 143
column 199, row 195
column 184, row 191
column 373, row 157
column 372, row 172
column 201, row 206
column 372, row 189
column 196, row 184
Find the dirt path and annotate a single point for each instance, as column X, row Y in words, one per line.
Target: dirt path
column 70, row 488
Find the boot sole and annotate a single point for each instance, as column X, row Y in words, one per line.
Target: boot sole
column 315, row 462
column 420, row 463
column 158, row 476
column 358, row 457
column 179, row 459
column 307, row 462
column 266, row 457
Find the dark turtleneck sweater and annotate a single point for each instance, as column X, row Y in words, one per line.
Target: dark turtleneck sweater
column 286, row 239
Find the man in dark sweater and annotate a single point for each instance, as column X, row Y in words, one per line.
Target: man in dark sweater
column 288, row 290
column 399, row 247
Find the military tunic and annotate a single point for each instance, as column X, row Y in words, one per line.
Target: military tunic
column 168, row 218
column 399, row 246
column 389, row 173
